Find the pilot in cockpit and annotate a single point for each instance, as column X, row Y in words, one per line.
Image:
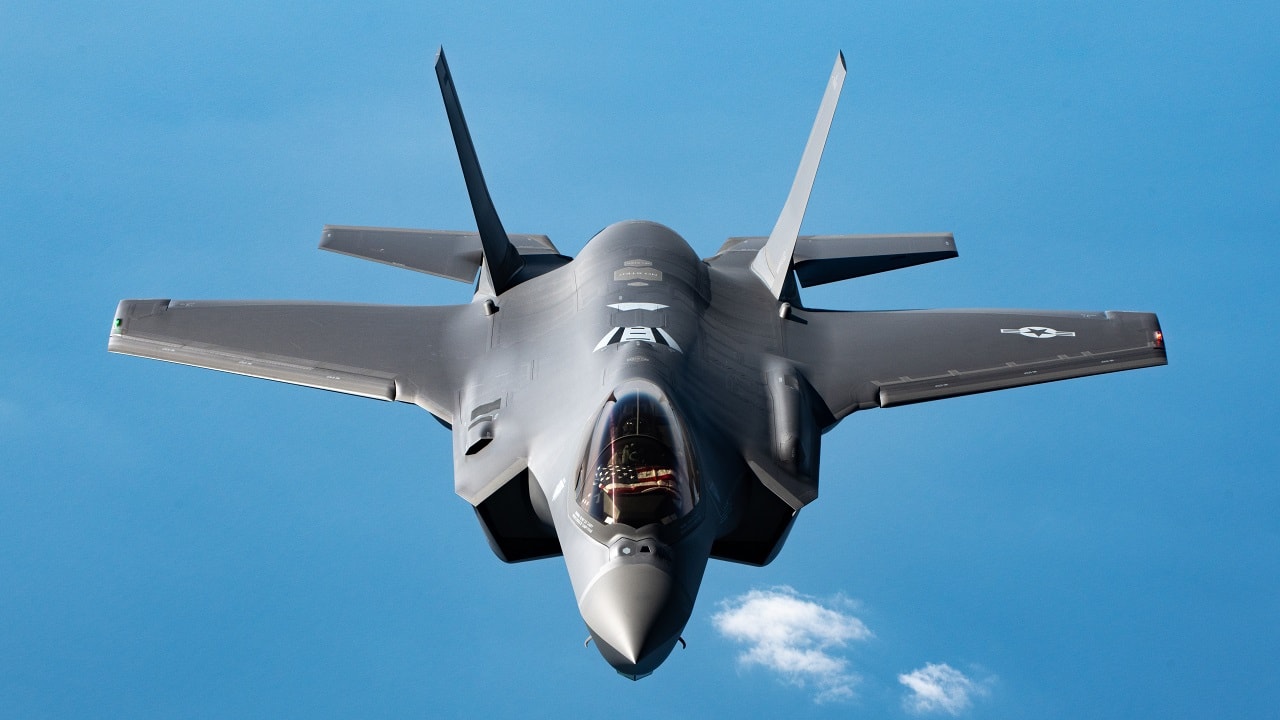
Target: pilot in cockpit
column 638, row 461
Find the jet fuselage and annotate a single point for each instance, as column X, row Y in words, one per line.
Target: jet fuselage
column 631, row 311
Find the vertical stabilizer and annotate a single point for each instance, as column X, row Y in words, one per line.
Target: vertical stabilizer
column 503, row 260
column 773, row 262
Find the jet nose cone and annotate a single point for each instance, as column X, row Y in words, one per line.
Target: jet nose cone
column 635, row 613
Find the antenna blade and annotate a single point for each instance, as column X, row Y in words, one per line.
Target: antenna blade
column 773, row 262
column 503, row 259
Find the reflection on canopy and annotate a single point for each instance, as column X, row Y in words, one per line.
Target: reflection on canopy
column 638, row 469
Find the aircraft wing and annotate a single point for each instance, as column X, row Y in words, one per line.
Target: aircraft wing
column 860, row 360
column 405, row 353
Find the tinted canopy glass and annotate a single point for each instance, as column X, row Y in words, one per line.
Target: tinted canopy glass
column 638, row 468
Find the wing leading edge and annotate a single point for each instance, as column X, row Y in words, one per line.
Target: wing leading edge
column 857, row 360
column 405, row 353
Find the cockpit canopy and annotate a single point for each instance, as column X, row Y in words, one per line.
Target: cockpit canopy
column 638, row 468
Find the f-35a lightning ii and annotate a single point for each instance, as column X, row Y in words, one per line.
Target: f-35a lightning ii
column 637, row 409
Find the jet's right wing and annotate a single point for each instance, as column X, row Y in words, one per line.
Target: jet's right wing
column 411, row 354
column 857, row 360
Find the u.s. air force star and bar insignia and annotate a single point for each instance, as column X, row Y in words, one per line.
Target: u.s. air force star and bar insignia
column 1038, row 332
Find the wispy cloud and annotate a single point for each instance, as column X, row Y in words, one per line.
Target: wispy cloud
column 940, row 688
column 794, row 635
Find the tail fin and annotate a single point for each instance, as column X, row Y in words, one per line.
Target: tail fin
column 500, row 255
column 773, row 262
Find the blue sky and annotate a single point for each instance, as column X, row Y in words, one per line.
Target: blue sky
column 183, row 543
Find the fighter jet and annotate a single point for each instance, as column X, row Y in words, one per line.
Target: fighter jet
column 637, row 410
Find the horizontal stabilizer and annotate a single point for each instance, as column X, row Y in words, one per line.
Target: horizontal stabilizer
column 821, row 259
column 444, row 253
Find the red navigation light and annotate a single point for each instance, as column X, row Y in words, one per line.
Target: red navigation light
column 1159, row 338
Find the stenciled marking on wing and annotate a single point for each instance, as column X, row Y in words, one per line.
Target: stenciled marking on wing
column 1037, row 332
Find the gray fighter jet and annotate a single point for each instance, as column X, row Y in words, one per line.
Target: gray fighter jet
column 637, row 409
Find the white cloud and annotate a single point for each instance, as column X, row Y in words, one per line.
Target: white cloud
column 940, row 688
column 794, row 635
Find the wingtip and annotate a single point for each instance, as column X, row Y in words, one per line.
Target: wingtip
column 440, row 57
column 839, row 57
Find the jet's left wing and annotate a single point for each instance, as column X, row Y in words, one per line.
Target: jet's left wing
column 406, row 353
column 857, row 360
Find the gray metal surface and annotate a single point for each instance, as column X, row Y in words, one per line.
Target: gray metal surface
column 820, row 259
column 637, row 410
column 773, row 263
column 452, row 254
column 503, row 259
